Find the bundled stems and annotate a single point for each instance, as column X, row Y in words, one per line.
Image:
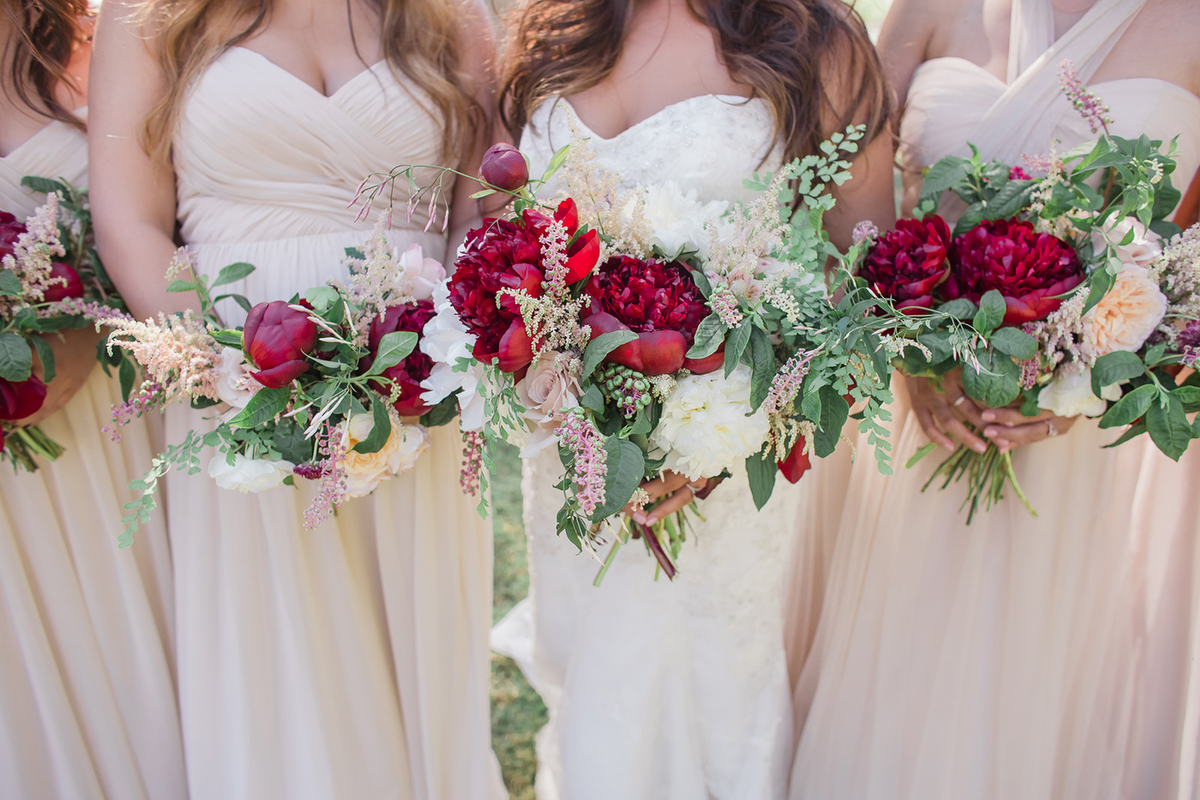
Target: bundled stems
column 986, row 473
column 24, row 444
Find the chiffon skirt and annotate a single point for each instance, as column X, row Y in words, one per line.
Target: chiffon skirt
column 996, row 660
column 87, row 694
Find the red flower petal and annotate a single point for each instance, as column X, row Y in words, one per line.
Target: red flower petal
column 516, row 349
column 582, row 256
column 662, row 351
column 282, row 374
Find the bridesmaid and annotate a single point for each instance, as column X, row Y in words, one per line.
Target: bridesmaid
column 1016, row 657
column 87, row 697
column 351, row 660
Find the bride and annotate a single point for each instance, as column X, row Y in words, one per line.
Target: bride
column 680, row 689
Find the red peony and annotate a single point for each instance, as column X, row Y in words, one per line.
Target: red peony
column 409, row 373
column 1029, row 268
column 278, row 338
column 59, row 291
column 504, row 167
column 906, row 263
column 655, row 299
column 10, row 229
column 499, row 255
column 21, row 399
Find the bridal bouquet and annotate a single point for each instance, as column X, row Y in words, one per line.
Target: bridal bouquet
column 644, row 330
column 51, row 279
column 324, row 387
column 1082, row 298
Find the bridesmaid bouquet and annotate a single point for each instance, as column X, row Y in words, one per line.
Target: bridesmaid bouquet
column 324, row 387
column 645, row 330
column 51, row 279
column 1081, row 297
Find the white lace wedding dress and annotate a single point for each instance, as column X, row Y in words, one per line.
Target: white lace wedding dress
column 662, row 690
column 1016, row 657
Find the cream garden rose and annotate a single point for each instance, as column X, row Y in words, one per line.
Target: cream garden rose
column 705, row 428
column 365, row 471
column 1070, row 394
column 248, row 475
column 1126, row 316
column 235, row 382
column 1143, row 248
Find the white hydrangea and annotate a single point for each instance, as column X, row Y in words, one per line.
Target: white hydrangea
column 705, row 428
column 248, row 475
column 446, row 341
column 678, row 219
column 1070, row 394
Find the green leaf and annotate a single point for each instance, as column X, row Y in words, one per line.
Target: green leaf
column 961, row 308
column 393, row 348
column 762, row 360
column 229, row 338
column 834, row 413
column 1133, row 432
column 599, row 348
column 593, row 399
column 556, row 162
column 16, row 359
column 1013, row 197
column 709, row 335
column 262, row 408
column 231, row 273
column 625, row 467
column 10, row 284
column 1015, row 342
column 761, row 471
column 920, row 454
column 1188, row 395
column 991, row 312
column 701, row 281
column 943, row 175
column 735, row 345
column 237, row 298
column 1130, row 407
column 997, row 382
column 44, row 185
column 288, row 439
column 381, row 430
column 938, row 343
column 1169, row 428
column 181, row 286
column 321, row 297
column 126, row 374
column 46, row 355
column 1114, row 368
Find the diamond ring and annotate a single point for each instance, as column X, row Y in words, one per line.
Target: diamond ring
column 1050, row 429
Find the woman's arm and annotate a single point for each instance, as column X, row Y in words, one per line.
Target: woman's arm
column 133, row 199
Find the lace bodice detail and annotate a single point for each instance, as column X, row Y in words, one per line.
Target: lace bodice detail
column 260, row 152
column 56, row 151
column 710, row 143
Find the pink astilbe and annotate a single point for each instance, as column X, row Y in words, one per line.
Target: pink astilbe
column 725, row 305
column 552, row 318
column 589, row 467
column 1029, row 373
column 32, row 256
column 97, row 313
column 332, row 472
column 786, row 385
column 1093, row 110
column 176, row 352
column 148, row 397
column 865, row 231
column 472, row 465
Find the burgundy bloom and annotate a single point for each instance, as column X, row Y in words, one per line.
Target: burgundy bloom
column 58, row 291
column 504, row 167
column 1029, row 268
column 10, row 229
column 277, row 338
column 416, row 367
column 906, row 263
column 797, row 463
column 499, row 255
column 20, row 399
column 655, row 299
column 1018, row 174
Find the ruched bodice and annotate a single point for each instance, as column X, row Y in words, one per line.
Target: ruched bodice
column 260, row 154
column 56, row 151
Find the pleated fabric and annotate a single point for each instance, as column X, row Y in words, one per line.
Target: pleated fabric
column 1015, row 657
column 350, row 660
column 87, row 692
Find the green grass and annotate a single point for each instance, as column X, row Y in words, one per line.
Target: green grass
column 517, row 711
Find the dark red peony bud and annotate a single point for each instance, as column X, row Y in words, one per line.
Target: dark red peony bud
column 21, row 399
column 516, row 349
column 582, row 256
column 629, row 354
column 277, row 338
column 504, row 167
column 661, row 351
column 10, row 229
column 416, row 367
column 796, row 464
column 59, row 291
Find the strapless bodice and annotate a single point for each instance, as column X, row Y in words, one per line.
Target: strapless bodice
column 56, row 151
column 710, row 143
column 262, row 155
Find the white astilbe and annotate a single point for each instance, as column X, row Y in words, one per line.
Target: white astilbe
column 601, row 201
column 552, row 319
column 1177, row 272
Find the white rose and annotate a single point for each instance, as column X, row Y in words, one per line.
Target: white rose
column 365, row 471
column 1144, row 248
column 1126, row 315
column 1069, row 394
column 235, row 382
column 677, row 218
column 422, row 274
column 704, row 428
column 446, row 340
column 248, row 474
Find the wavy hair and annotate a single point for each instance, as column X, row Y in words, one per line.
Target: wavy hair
column 790, row 51
column 38, row 55
column 422, row 40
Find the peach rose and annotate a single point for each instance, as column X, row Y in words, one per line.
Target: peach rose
column 365, row 471
column 1145, row 246
column 1126, row 316
column 551, row 388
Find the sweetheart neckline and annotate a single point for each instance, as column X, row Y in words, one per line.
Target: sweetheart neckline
column 745, row 101
column 370, row 70
column 51, row 124
column 979, row 69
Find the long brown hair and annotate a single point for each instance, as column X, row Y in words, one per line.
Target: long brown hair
column 38, row 54
column 422, row 39
column 790, row 51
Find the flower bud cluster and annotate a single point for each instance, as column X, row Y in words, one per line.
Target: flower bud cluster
column 628, row 388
